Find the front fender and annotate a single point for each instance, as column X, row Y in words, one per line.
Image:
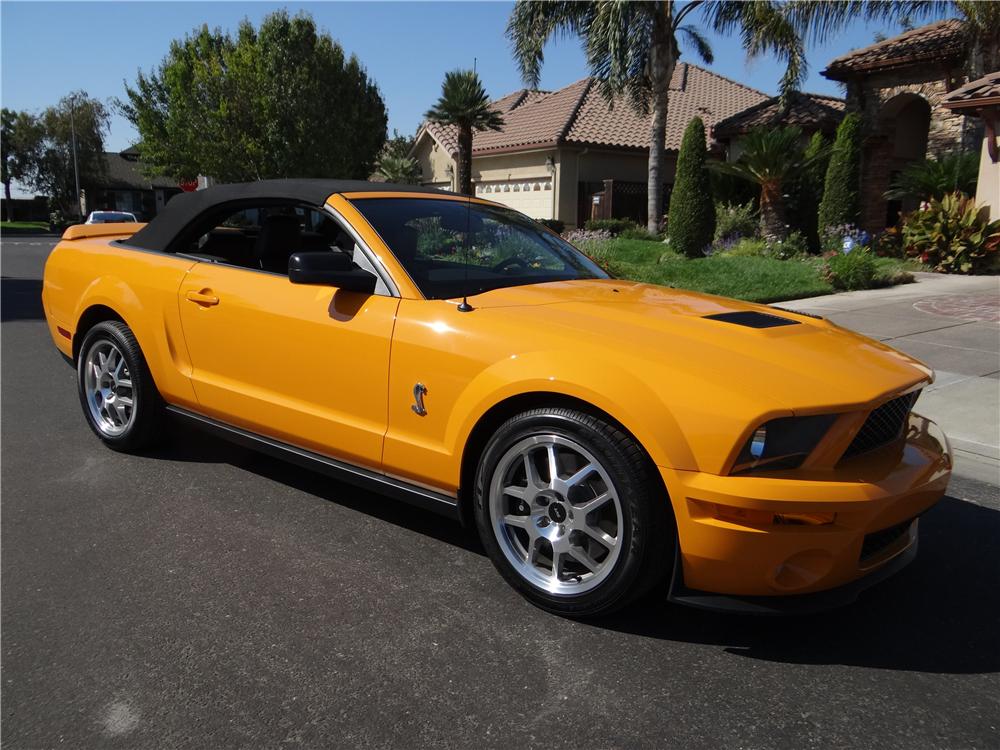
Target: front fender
column 610, row 388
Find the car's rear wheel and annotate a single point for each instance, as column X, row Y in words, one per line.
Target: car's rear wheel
column 570, row 513
column 119, row 398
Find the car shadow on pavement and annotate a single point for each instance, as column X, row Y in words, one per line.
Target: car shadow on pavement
column 939, row 615
column 20, row 299
column 184, row 443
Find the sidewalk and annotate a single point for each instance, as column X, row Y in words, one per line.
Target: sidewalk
column 951, row 323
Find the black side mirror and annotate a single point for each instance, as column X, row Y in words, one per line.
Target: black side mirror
column 329, row 269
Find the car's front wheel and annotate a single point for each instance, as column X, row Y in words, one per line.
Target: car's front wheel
column 119, row 398
column 570, row 513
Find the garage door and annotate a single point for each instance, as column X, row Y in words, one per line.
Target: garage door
column 531, row 197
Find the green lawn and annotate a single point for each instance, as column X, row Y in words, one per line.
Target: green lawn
column 748, row 278
column 23, row 227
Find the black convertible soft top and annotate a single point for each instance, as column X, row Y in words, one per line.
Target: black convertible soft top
column 185, row 209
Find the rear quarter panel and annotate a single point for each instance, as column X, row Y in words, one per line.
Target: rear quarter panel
column 137, row 285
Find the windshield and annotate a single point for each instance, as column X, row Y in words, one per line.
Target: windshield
column 451, row 248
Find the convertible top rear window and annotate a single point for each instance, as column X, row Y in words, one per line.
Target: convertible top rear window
column 452, row 248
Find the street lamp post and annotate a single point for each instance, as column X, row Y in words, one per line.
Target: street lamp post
column 76, row 169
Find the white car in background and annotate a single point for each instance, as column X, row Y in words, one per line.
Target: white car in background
column 110, row 217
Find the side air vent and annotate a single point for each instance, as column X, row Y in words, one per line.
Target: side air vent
column 753, row 319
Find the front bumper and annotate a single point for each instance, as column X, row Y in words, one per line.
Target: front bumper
column 772, row 568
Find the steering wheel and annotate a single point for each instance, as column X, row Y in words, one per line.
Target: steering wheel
column 506, row 263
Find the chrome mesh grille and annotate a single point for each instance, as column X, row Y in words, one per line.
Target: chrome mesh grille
column 884, row 425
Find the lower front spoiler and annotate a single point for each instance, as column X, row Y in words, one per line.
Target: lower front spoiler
column 794, row 604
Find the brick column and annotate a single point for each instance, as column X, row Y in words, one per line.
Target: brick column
column 875, row 165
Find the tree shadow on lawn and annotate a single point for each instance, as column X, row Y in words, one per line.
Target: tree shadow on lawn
column 940, row 615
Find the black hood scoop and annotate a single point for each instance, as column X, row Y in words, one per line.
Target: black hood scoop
column 753, row 319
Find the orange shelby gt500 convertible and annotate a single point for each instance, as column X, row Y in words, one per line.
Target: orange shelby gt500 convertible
column 600, row 434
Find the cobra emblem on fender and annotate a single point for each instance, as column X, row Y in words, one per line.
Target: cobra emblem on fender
column 419, row 391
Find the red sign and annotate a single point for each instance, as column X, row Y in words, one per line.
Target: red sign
column 188, row 186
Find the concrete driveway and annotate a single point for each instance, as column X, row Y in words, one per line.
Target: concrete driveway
column 951, row 323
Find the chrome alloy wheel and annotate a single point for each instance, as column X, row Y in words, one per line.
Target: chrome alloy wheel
column 556, row 514
column 108, row 387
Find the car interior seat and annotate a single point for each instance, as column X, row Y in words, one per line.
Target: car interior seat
column 280, row 236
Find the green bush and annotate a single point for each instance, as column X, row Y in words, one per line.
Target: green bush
column 555, row 225
column 615, row 226
column 747, row 248
column 737, row 221
column 807, row 191
column 795, row 244
column 854, row 270
column 952, row 236
column 843, row 176
column 692, row 210
column 640, row 233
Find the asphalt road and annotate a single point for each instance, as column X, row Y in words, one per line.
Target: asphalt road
column 205, row 596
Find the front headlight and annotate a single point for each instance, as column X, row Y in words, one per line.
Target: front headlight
column 782, row 443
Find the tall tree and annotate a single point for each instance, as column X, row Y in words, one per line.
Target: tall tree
column 771, row 158
column 47, row 161
column 20, row 140
column 632, row 49
column 840, row 204
column 692, row 211
column 282, row 100
column 464, row 104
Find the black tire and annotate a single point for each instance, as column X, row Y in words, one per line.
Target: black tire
column 146, row 415
column 645, row 532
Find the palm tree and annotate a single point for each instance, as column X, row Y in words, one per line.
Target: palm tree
column 820, row 20
column 771, row 158
column 401, row 170
column 632, row 50
column 935, row 177
column 464, row 103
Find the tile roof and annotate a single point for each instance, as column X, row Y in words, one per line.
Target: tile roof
column 809, row 111
column 982, row 91
column 937, row 41
column 579, row 113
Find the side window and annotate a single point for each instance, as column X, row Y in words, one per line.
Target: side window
column 264, row 237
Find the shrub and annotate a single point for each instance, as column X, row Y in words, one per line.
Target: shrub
column 843, row 238
column 614, row 226
column 889, row 243
column 853, row 270
column 807, row 191
column 935, row 177
column 692, row 211
column 843, row 176
column 555, row 225
column 577, row 236
column 793, row 245
column 746, row 248
column 640, row 233
column 737, row 221
column 952, row 235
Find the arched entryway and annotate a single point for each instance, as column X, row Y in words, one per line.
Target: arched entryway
column 898, row 138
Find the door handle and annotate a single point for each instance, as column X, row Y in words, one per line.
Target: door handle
column 205, row 298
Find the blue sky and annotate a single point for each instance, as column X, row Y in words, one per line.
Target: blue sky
column 52, row 48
